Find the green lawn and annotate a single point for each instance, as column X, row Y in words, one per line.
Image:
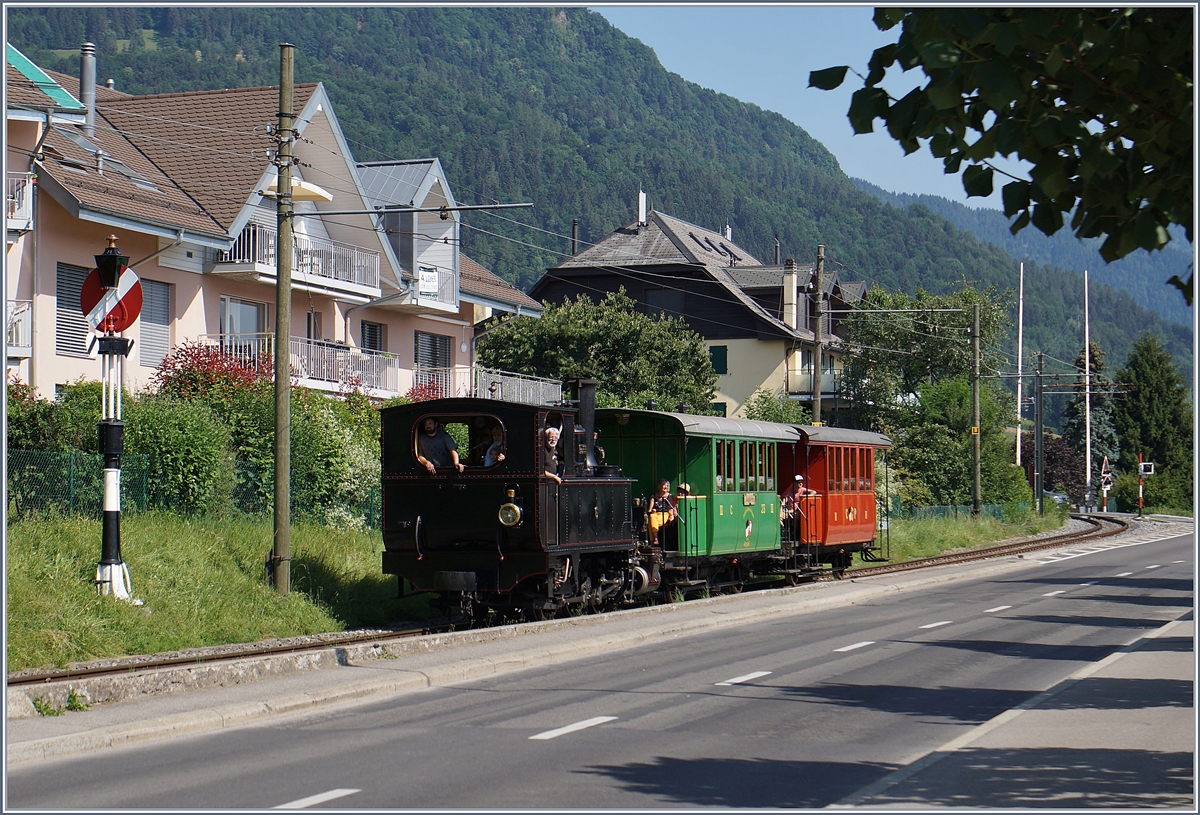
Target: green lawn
column 202, row 582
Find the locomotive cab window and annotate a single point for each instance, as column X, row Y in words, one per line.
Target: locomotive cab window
column 479, row 441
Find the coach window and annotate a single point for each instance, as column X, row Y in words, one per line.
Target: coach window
column 730, row 466
column 719, row 462
column 743, row 466
column 771, row 467
column 869, row 460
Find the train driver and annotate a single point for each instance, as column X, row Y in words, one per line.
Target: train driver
column 552, row 434
column 435, row 447
column 495, row 452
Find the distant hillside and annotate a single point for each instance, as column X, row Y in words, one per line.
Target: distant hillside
column 557, row 107
column 1142, row 274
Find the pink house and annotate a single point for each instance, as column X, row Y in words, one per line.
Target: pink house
column 186, row 184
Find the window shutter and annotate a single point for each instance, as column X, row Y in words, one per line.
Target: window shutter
column 432, row 350
column 156, row 322
column 372, row 336
column 71, row 329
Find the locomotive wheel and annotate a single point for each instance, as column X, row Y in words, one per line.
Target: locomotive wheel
column 791, row 578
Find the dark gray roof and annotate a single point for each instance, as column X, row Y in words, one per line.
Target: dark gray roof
column 662, row 239
column 841, row 435
column 397, row 183
column 718, row 425
column 767, row 277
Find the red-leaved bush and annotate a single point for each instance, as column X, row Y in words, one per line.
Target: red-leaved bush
column 424, row 391
column 196, row 369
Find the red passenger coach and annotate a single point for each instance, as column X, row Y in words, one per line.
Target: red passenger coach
column 834, row 495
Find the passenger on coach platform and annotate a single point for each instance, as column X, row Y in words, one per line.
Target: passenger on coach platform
column 663, row 512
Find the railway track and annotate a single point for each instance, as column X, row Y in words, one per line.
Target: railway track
column 1100, row 527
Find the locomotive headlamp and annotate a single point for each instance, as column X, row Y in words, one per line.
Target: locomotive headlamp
column 510, row 514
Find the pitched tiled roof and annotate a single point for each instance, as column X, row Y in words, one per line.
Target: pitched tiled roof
column 130, row 186
column 212, row 143
column 474, row 279
column 71, row 83
column 767, row 277
column 661, row 240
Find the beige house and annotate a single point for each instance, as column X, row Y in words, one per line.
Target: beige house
column 186, row 183
column 759, row 320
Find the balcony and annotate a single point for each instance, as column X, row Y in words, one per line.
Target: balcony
column 801, row 384
column 18, row 201
column 436, row 288
column 317, row 263
column 332, row 366
column 19, row 324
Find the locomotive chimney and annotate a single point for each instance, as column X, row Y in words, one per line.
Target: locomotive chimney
column 585, row 397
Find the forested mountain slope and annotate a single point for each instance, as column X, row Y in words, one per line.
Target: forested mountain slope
column 557, row 107
column 1142, row 273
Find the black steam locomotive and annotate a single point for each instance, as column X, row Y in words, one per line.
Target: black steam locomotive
column 527, row 509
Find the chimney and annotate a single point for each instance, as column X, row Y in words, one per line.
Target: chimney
column 790, row 317
column 585, row 397
column 728, row 232
column 111, row 84
column 87, row 86
column 574, row 236
column 641, row 208
column 777, row 250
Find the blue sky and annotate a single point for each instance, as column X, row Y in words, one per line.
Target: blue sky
column 763, row 55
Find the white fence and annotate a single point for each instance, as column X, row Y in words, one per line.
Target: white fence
column 18, row 201
column 19, row 324
column 314, row 256
column 326, row 365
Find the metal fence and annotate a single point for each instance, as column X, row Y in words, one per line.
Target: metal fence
column 72, row 483
column 69, row 483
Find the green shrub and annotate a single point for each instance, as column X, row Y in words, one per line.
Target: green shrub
column 190, row 469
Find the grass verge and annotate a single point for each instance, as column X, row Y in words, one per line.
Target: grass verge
column 928, row 537
column 201, row 580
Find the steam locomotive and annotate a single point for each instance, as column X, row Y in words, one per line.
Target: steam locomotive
column 550, row 527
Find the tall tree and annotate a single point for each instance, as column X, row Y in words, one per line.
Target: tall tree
column 1153, row 415
column 1098, row 100
column 1105, row 441
column 895, row 343
column 633, row 356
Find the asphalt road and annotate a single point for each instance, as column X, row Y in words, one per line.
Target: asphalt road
column 842, row 706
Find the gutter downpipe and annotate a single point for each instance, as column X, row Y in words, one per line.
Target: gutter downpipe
column 33, row 277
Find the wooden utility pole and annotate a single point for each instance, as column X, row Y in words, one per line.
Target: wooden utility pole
column 816, row 379
column 976, row 488
column 281, row 557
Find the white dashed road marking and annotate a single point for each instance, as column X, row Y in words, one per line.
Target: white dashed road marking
column 1155, row 566
column 737, row 680
column 938, row 625
column 1124, row 574
column 855, row 645
column 320, row 798
column 571, row 728
column 1052, row 593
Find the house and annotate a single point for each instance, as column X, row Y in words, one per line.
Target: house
column 757, row 319
column 186, row 183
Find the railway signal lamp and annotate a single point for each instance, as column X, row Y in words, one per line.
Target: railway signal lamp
column 1146, row 468
column 109, row 264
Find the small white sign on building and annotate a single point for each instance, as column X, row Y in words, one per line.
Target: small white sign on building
column 427, row 281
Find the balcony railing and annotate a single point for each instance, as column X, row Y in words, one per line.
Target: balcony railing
column 802, row 383
column 18, row 201
column 19, row 322
column 339, row 262
column 326, row 365
column 437, row 285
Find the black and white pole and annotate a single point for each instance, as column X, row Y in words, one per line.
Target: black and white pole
column 112, row 575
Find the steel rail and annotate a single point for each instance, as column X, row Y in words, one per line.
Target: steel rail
column 233, row 652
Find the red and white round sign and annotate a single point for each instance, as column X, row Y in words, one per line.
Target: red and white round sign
column 112, row 309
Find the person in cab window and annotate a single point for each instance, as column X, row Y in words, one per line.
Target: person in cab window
column 495, row 452
column 551, row 455
column 435, row 447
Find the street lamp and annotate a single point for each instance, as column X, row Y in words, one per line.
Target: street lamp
column 109, row 263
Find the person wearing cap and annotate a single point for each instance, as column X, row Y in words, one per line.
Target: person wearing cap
column 552, row 434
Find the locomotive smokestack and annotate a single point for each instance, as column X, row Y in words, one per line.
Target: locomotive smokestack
column 585, row 396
